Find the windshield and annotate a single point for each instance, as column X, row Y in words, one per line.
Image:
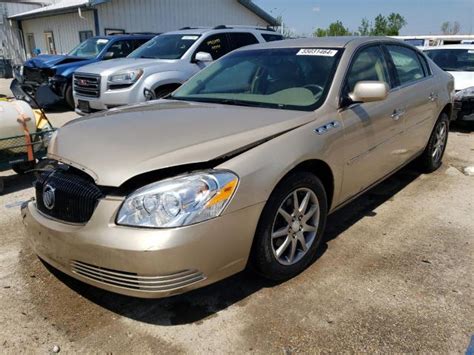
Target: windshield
column 165, row 47
column 453, row 59
column 90, row 48
column 288, row 78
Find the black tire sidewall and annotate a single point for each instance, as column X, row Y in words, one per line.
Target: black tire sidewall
column 427, row 159
column 262, row 258
column 68, row 97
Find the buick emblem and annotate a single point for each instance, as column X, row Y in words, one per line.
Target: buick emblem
column 49, row 197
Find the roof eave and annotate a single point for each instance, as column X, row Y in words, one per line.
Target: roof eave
column 259, row 12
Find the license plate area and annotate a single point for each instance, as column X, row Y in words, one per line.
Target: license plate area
column 84, row 106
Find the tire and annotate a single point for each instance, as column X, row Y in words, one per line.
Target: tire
column 68, row 97
column 23, row 167
column 270, row 257
column 432, row 157
column 2, row 185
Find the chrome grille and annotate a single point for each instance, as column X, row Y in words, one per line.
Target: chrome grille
column 87, row 85
column 75, row 195
column 134, row 281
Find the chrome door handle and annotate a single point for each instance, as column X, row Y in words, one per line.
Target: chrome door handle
column 433, row 97
column 397, row 114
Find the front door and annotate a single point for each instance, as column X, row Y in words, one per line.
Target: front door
column 49, row 40
column 372, row 130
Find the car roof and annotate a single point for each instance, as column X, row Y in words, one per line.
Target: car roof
column 128, row 36
column 323, row 42
column 203, row 30
column 449, row 46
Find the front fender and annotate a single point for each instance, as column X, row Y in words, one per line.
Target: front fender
column 164, row 78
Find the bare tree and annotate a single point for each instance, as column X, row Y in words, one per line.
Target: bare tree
column 449, row 28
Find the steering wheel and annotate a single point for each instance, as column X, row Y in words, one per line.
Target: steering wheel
column 316, row 89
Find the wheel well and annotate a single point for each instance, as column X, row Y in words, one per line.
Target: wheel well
column 170, row 87
column 448, row 109
column 323, row 172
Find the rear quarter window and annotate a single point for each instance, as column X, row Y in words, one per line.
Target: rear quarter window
column 272, row 37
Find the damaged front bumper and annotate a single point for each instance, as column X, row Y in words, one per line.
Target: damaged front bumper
column 38, row 84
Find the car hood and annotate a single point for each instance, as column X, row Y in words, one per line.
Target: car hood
column 462, row 79
column 49, row 61
column 115, row 146
column 112, row 66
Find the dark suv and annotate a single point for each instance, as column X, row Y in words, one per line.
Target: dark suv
column 56, row 71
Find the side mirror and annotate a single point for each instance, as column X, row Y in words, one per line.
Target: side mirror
column 369, row 91
column 203, row 57
column 108, row 55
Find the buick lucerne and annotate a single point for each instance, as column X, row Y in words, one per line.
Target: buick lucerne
column 238, row 167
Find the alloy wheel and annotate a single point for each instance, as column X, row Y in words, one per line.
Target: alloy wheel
column 295, row 226
column 440, row 141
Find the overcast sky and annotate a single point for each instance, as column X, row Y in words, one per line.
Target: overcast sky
column 423, row 16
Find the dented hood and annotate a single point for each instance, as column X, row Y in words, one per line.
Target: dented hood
column 117, row 145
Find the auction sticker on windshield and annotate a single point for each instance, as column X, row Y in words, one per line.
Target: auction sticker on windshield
column 189, row 38
column 317, row 52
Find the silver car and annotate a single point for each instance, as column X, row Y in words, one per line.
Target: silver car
column 159, row 66
column 239, row 167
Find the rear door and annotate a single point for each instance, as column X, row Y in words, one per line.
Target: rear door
column 416, row 88
column 372, row 129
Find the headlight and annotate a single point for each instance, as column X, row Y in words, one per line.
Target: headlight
column 126, row 77
column 468, row 92
column 179, row 201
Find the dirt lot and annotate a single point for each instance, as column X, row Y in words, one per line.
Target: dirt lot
column 395, row 275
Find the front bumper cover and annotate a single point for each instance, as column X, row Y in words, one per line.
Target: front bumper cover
column 146, row 263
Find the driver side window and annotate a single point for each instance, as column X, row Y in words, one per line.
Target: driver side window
column 368, row 65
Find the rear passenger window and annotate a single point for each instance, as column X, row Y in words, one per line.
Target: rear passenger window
column 215, row 45
column 271, row 37
column 238, row 40
column 120, row 49
column 368, row 65
column 407, row 64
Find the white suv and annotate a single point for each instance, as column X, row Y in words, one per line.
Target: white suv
column 159, row 66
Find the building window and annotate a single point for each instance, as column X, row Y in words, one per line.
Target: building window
column 84, row 35
column 113, row 31
column 50, row 45
column 30, row 44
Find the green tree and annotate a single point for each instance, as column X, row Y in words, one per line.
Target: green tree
column 338, row 29
column 395, row 23
column 380, row 26
column 335, row 29
column 320, row 32
column 364, row 28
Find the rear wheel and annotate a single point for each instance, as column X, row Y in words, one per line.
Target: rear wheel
column 432, row 157
column 291, row 227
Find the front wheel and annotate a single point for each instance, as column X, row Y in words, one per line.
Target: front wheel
column 431, row 159
column 68, row 97
column 291, row 227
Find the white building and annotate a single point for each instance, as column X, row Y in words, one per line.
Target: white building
column 11, row 45
column 59, row 27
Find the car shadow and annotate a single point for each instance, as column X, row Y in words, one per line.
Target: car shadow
column 199, row 304
column 462, row 126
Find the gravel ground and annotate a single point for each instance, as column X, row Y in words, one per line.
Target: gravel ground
column 395, row 275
